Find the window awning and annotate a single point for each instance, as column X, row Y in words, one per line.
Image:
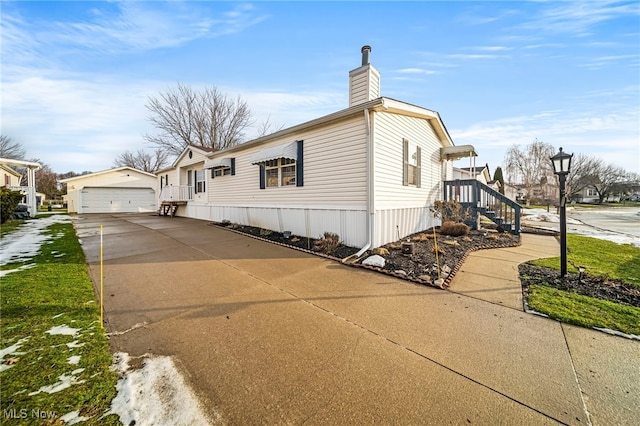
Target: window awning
column 457, row 152
column 289, row 151
column 217, row 162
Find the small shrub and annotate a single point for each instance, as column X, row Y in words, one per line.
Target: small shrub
column 9, row 200
column 455, row 229
column 265, row 232
column 328, row 243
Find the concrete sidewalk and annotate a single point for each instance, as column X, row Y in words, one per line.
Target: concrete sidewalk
column 492, row 275
column 269, row 335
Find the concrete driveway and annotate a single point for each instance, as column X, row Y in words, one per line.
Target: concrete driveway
column 269, row 335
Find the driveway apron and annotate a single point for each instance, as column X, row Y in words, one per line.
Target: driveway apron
column 269, row 335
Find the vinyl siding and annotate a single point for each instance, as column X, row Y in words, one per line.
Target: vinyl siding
column 364, row 85
column 390, row 129
column 334, row 172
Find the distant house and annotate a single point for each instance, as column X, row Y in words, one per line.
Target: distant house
column 482, row 174
column 9, row 177
column 12, row 179
column 119, row 190
column 369, row 173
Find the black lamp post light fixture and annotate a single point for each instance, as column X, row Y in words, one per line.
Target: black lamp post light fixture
column 561, row 167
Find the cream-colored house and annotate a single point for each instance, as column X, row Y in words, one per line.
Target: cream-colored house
column 369, row 173
column 119, row 190
column 11, row 176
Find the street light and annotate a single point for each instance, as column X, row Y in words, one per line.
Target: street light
column 561, row 167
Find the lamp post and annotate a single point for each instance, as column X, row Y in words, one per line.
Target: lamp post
column 561, row 167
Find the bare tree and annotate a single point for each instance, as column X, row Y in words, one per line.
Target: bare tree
column 266, row 127
column 11, row 149
column 530, row 167
column 206, row 118
column 582, row 168
column 143, row 160
column 605, row 180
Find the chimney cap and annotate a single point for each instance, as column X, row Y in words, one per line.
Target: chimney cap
column 365, row 54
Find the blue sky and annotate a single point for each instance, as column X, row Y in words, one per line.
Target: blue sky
column 76, row 76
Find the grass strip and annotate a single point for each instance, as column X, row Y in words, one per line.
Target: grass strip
column 600, row 257
column 584, row 310
column 56, row 292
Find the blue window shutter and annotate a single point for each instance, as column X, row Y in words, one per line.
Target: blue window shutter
column 233, row 166
column 263, row 184
column 300, row 165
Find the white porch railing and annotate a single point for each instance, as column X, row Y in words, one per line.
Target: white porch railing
column 176, row 193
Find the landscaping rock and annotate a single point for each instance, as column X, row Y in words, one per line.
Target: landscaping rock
column 374, row 260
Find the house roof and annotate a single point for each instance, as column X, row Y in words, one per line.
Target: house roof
column 378, row 104
column 118, row 169
column 200, row 149
column 10, row 170
column 12, row 162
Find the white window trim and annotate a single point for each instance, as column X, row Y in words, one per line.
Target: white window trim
column 280, row 165
column 222, row 171
column 200, row 178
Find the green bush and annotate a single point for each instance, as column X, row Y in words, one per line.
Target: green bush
column 9, row 200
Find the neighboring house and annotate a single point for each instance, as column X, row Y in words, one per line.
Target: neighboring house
column 514, row 192
column 29, row 191
column 590, row 195
column 119, row 190
column 9, row 177
column 369, row 173
column 481, row 174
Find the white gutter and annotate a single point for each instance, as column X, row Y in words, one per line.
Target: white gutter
column 370, row 198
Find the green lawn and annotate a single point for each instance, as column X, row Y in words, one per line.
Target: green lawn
column 56, row 292
column 601, row 258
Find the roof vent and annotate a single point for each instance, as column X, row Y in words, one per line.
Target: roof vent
column 366, row 50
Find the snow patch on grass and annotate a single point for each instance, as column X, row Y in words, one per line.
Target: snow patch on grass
column 25, row 242
column 156, row 394
column 11, row 350
column 64, row 330
column 73, row 417
column 64, row 381
column 74, row 360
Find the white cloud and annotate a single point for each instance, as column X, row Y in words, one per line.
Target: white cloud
column 611, row 135
column 579, row 17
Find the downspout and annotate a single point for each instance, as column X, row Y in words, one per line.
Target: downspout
column 370, row 195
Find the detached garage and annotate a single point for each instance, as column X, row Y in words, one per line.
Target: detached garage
column 121, row 190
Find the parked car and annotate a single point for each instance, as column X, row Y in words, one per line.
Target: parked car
column 21, row 212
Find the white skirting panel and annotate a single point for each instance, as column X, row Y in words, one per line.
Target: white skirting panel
column 350, row 225
column 393, row 224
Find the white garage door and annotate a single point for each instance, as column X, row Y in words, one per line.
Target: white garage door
column 117, row 200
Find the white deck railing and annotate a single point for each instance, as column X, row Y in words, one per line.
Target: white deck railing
column 177, row 193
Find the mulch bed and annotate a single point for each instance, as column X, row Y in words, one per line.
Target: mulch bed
column 414, row 267
column 598, row 287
